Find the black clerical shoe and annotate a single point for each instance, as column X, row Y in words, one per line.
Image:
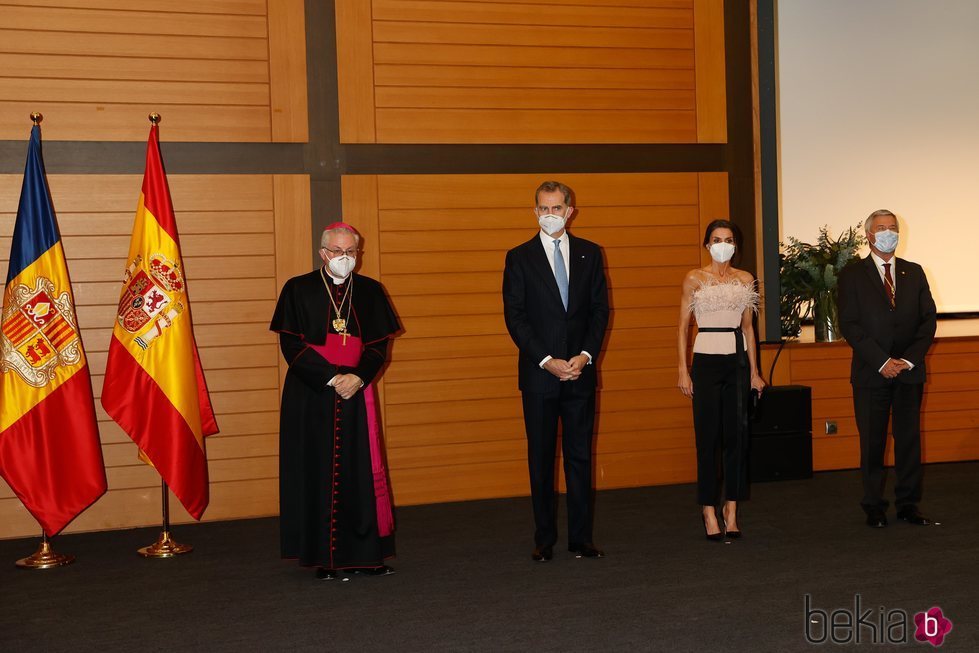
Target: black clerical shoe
column 383, row 570
column 911, row 515
column 322, row 573
column 586, row 550
column 876, row 518
column 542, row 553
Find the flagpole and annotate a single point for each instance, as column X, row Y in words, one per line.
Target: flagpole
column 44, row 557
column 165, row 546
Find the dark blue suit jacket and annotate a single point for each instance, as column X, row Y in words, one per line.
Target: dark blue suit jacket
column 876, row 331
column 537, row 321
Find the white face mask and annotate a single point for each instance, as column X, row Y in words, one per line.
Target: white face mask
column 341, row 266
column 551, row 224
column 886, row 241
column 722, row 252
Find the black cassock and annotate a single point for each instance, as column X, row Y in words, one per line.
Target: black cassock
column 333, row 502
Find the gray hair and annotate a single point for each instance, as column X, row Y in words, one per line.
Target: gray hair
column 325, row 238
column 550, row 187
column 877, row 214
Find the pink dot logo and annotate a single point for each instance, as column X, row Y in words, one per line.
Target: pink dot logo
column 932, row 626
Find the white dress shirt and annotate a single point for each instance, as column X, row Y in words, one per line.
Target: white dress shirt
column 548, row 242
column 879, row 262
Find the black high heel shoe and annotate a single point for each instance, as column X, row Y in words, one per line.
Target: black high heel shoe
column 731, row 535
column 713, row 537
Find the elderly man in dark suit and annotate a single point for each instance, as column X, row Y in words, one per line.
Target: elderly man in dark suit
column 555, row 302
column 887, row 316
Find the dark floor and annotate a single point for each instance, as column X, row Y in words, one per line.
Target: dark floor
column 465, row 580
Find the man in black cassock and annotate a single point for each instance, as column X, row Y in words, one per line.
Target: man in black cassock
column 334, row 330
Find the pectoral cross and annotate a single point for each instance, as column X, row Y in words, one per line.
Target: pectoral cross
column 344, row 334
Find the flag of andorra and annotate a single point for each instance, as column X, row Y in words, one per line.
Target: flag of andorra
column 154, row 385
column 49, row 439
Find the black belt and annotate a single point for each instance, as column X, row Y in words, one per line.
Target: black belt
column 738, row 340
column 742, row 362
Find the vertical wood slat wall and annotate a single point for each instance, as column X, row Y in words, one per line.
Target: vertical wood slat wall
column 217, row 70
column 441, row 71
column 453, row 421
column 236, row 259
column 950, row 418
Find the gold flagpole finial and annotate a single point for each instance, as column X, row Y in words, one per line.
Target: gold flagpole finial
column 155, row 118
column 36, row 117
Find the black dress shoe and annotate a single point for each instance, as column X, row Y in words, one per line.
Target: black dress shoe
column 542, row 553
column 876, row 518
column 383, row 570
column 586, row 550
column 322, row 573
column 912, row 516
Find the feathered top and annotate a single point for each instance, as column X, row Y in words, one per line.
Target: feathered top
column 721, row 304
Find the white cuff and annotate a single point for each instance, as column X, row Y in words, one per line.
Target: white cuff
column 910, row 364
column 546, row 358
column 588, row 355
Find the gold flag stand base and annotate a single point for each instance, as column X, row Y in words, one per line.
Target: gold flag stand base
column 45, row 558
column 164, row 547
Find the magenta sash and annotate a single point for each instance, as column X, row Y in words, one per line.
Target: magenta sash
column 348, row 355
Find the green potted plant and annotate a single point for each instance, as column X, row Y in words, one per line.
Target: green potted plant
column 808, row 277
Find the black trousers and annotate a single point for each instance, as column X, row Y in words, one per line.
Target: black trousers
column 719, row 426
column 577, row 414
column 872, row 408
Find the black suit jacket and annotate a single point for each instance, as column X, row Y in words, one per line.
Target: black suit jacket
column 877, row 332
column 535, row 316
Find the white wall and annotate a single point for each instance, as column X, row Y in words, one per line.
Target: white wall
column 879, row 108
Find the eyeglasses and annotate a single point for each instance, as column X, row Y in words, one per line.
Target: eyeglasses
column 352, row 252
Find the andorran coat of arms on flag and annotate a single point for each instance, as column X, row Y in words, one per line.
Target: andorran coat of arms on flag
column 39, row 332
column 150, row 301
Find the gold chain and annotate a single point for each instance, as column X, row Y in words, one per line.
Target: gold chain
column 340, row 324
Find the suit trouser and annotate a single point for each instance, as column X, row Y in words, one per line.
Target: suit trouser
column 872, row 408
column 577, row 415
column 718, row 425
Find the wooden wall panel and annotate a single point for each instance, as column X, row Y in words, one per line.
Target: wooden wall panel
column 453, row 427
column 355, row 66
column 950, row 419
column 436, row 71
column 287, row 70
column 242, row 236
column 216, row 70
column 710, row 67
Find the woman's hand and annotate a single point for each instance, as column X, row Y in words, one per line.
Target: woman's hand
column 685, row 384
column 757, row 383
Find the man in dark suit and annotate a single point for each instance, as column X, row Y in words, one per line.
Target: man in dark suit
column 555, row 302
column 887, row 316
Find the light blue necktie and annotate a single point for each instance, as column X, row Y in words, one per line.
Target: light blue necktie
column 561, row 273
